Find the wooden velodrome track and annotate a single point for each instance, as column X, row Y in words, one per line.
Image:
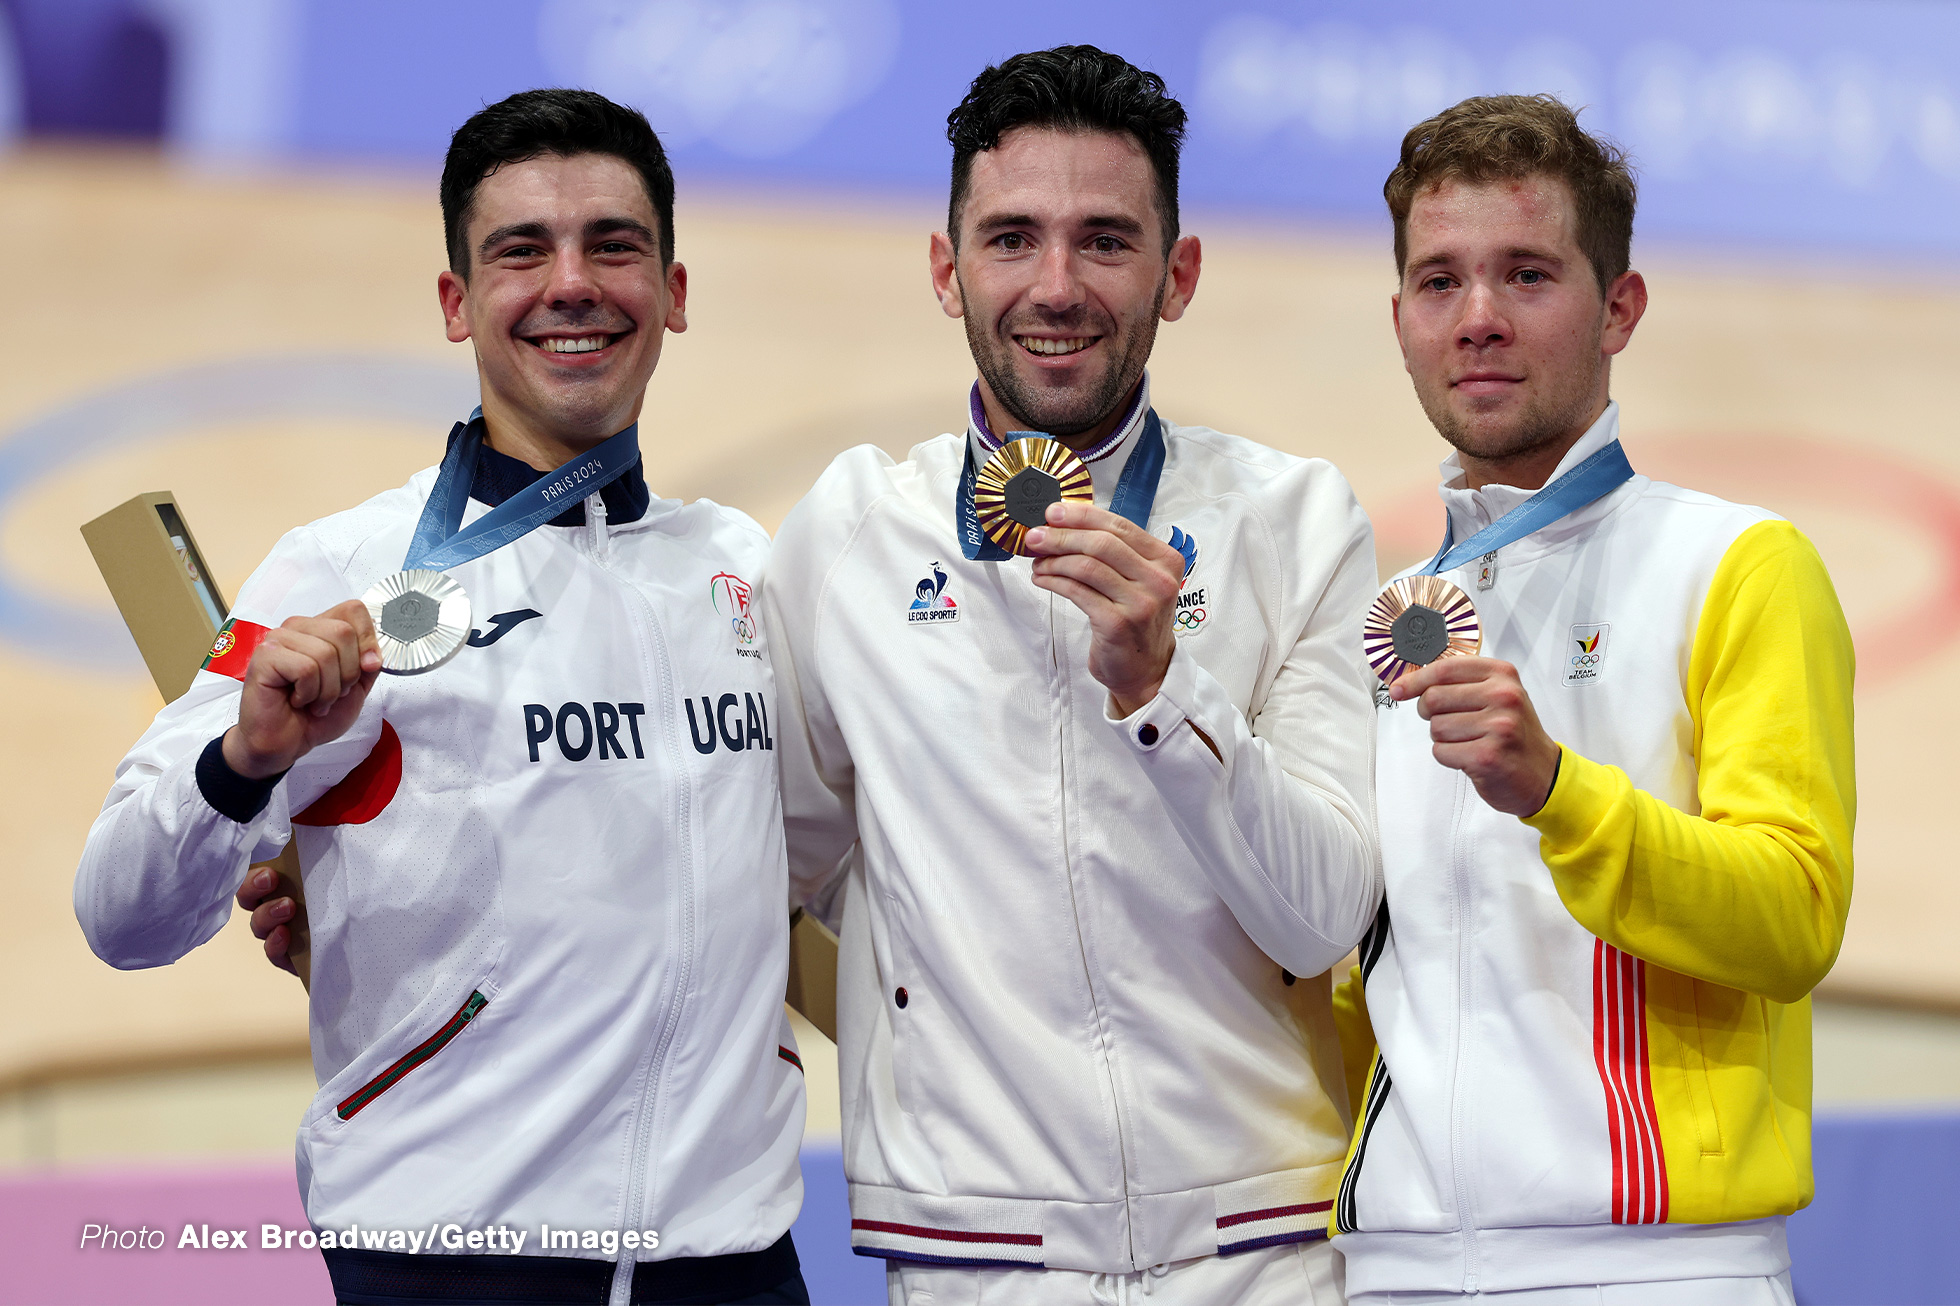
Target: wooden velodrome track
column 1821, row 391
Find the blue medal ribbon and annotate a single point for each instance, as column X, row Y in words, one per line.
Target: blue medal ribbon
column 1592, row 479
column 1136, row 489
column 438, row 545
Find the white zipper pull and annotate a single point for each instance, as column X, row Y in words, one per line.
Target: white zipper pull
column 595, row 517
column 1487, row 570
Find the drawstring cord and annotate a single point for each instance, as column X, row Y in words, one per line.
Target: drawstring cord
column 1123, row 1289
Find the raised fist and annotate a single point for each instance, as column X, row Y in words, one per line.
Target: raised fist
column 304, row 687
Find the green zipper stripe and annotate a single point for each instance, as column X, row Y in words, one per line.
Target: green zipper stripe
column 387, row 1079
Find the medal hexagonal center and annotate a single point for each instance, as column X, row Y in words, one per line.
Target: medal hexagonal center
column 1420, row 635
column 1027, row 496
column 408, row 617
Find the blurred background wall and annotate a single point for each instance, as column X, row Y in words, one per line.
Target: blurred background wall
column 222, row 235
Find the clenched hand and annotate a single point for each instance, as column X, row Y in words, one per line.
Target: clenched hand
column 304, row 687
column 1481, row 723
column 1126, row 581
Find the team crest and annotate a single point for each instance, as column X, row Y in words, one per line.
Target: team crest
column 225, row 643
column 1187, row 546
column 731, row 598
column 1191, row 613
column 931, row 602
column 1585, row 654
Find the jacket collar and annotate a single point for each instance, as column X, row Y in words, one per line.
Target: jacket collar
column 499, row 476
column 1472, row 510
column 1105, row 461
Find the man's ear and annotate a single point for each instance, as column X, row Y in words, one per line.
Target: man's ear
column 1186, row 261
column 677, row 290
column 1395, row 316
column 1626, row 303
column 450, row 293
column 945, row 282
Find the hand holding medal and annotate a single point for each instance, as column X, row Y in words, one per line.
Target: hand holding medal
column 421, row 615
column 1423, row 639
column 304, row 686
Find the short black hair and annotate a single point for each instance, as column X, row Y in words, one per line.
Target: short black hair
column 1074, row 88
column 553, row 121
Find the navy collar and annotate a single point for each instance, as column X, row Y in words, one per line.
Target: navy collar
column 499, row 476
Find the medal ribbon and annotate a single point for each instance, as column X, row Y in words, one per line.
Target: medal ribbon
column 438, row 545
column 1136, row 489
column 1592, row 479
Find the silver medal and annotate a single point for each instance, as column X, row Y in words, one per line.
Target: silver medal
column 420, row 619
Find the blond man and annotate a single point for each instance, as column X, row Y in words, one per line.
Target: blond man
column 1617, row 845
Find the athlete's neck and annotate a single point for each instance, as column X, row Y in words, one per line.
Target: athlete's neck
column 1000, row 421
column 542, row 445
column 1528, row 470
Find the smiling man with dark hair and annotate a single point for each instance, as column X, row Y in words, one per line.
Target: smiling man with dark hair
column 540, row 1000
column 1090, row 861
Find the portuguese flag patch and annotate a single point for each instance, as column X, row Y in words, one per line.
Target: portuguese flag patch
column 231, row 652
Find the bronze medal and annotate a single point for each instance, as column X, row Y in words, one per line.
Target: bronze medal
column 1416, row 620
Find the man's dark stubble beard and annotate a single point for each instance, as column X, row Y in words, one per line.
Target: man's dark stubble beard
column 1056, row 415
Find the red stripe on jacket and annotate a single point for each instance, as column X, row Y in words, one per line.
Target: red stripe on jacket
column 1620, row 1053
column 949, row 1235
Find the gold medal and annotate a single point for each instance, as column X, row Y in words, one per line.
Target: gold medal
column 1416, row 620
column 1013, row 489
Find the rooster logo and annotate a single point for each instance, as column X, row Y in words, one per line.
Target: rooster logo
column 931, row 592
column 930, row 601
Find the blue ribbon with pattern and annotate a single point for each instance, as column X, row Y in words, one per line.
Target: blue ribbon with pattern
column 1592, row 479
column 438, row 545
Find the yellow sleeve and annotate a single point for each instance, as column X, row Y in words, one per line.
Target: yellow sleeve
column 1357, row 1033
column 1751, row 894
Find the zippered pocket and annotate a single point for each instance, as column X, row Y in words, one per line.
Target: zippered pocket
column 435, row 1043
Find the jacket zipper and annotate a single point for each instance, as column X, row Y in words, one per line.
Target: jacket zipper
column 1059, row 671
column 600, row 543
column 435, row 1043
column 1460, row 894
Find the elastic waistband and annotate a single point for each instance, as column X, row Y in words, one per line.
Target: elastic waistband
column 1558, row 1256
column 1116, row 1237
column 366, row 1278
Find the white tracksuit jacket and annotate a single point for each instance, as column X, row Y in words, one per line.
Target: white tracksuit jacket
column 1536, row 1083
column 585, row 832
column 1068, row 1034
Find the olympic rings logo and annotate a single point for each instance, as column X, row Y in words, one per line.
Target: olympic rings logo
column 1190, row 618
column 1586, row 660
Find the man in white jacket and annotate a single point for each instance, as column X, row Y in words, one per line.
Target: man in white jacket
column 1617, row 843
column 544, row 879
column 1093, row 826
